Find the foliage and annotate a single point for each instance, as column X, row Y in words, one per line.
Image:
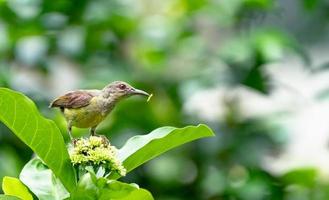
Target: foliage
column 182, row 50
column 14, row 187
column 22, row 117
column 91, row 187
column 42, row 181
column 140, row 149
column 41, row 135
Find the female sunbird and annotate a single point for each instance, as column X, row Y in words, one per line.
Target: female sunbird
column 88, row 108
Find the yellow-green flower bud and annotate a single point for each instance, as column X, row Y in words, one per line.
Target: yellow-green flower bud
column 94, row 152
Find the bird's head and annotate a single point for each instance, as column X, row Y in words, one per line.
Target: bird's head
column 119, row 90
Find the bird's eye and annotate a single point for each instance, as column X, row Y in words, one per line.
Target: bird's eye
column 122, row 86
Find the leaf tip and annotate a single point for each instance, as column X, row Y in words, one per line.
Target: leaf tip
column 210, row 132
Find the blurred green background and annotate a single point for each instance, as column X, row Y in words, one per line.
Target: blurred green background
column 255, row 71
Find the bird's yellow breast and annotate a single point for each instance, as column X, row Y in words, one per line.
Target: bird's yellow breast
column 85, row 117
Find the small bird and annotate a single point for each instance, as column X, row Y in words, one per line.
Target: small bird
column 88, row 108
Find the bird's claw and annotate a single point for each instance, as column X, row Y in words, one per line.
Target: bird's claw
column 105, row 141
column 74, row 142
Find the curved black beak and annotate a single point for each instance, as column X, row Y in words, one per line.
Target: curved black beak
column 139, row 92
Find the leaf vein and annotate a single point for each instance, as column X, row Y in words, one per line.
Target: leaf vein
column 51, row 141
column 15, row 114
column 35, row 131
column 24, row 126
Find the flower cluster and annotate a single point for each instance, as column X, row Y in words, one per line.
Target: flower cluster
column 96, row 151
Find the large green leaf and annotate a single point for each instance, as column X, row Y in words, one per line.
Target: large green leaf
column 14, row 187
column 42, row 182
column 140, row 149
column 92, row 188
column 20, row 114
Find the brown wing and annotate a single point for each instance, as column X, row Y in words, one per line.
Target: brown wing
column 76, row 99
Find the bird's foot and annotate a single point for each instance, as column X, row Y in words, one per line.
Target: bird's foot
column 105, row 141
column 74, row 142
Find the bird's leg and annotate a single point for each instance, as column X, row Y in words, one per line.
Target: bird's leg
column 69, row 129
column 104, row 138
column 93, row 131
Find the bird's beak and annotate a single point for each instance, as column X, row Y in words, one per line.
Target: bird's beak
column 139, row 92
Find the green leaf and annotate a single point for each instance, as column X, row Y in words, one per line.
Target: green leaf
column 14, row 187
column 92, row 188
column 305, row 177
column 140, row 149
column 8, row 197
column 86, row 189
column 42, row 182
column 124, row 191
column 20, row 114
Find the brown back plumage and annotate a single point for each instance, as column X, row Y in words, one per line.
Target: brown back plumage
column 75, row 99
